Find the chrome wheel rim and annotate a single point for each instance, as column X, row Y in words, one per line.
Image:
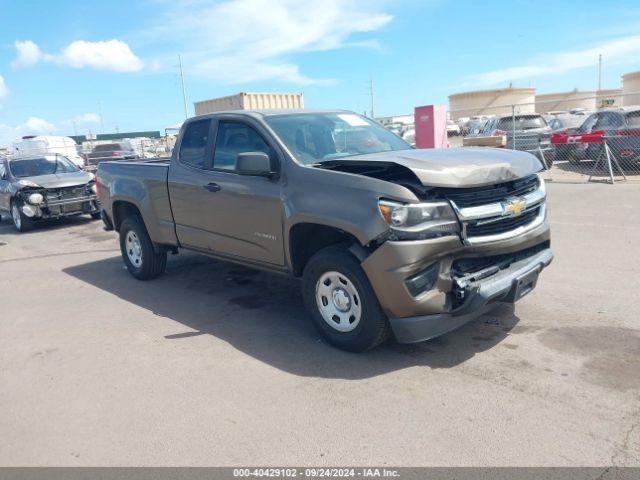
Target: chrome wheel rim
column 133, row 248
column 15, row 215
column 338, row 301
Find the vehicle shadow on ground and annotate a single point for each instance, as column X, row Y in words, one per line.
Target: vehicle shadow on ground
column 7, row 228
column 262, row 315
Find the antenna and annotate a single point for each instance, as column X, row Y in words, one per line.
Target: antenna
column 372, row 96
column 184, row 90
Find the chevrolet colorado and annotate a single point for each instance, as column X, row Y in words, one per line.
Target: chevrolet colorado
column 387, row 239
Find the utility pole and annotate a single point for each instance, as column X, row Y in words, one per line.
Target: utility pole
column 184, row 90
column 599, row 72
column 372, row 96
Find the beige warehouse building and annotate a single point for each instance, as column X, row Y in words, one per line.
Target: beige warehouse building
column 250, row 101
column 631, row 88
column 492, row 102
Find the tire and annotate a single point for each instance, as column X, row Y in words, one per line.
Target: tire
column 138, row 253
column 21, row 222
column 95, row 215
column 363, row 325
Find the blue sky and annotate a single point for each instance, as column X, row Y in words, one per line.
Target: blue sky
column 65, row 63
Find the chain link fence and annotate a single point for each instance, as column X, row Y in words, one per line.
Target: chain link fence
column 575, row 143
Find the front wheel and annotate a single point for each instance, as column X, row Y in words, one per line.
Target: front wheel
column 138, row 252
column 21, row 222
column 341, row 301
column 96, row 215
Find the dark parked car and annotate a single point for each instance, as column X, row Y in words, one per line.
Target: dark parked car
column 562, row 126
column 111, row 151
column 532, row 134
column 566, row 121
column 621, row 128
column 42, row 187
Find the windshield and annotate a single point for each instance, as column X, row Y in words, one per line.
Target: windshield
column 313, row 138
column 523, row 122
column 34, row 167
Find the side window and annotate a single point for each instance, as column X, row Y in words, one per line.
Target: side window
column 589, row 123
column 3, row 171
column 488, row 127
column 234, row 138
column 194, row 143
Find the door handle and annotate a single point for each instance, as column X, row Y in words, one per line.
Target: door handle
column 212, row 187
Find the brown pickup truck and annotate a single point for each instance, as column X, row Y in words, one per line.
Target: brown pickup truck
column 387, row 239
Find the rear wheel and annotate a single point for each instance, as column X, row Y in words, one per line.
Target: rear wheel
column 20, row 220
column 138, row 252
column 342, row 303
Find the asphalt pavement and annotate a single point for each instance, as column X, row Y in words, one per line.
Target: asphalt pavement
column 217, row 364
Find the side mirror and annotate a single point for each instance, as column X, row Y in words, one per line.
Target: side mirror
column 254, row 163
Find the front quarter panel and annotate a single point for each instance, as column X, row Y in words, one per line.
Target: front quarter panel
column 345, row 201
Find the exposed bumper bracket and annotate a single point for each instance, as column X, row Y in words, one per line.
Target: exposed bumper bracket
column 508, row 285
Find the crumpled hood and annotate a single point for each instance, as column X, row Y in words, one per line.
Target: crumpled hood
column 457, row 167
column 60, row 180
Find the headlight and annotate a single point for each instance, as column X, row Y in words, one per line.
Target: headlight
column 416, row 221
column 35, row 198
column 94, row 188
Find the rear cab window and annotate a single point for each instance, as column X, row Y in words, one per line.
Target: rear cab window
column 522, row 122
column 194, row 143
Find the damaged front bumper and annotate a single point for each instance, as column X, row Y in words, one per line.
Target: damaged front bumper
column 508, row 285
column 59, row 208
column 456, row 292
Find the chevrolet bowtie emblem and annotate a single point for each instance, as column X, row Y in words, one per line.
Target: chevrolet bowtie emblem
column 513, row 207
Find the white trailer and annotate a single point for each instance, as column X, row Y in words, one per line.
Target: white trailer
column 48, row 145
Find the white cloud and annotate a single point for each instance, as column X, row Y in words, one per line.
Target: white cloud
column 240, row 41
column 27, row 54
column 4, row 90
column 621, row 50
column 114, row 55
column 87, row 118
column 40, row 126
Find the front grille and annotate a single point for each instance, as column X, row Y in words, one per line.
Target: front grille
column 472, row 197
column 503, row 225
column 66, row 193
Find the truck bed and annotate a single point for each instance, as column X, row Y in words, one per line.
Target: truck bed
column 142, row 183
